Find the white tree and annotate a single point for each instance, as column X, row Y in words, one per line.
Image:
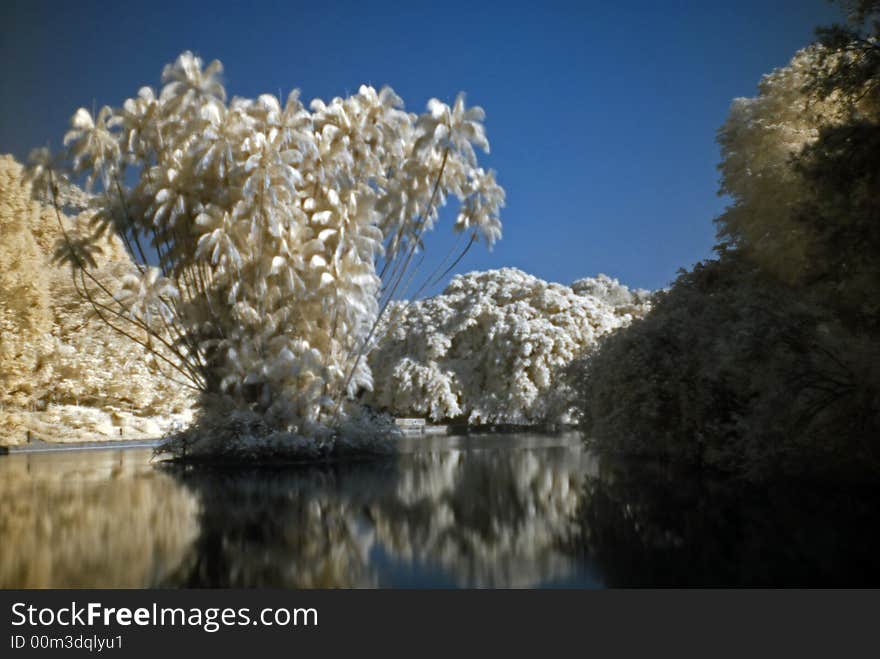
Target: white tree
column 269, row 238
column 491, row 349
column 759, row 141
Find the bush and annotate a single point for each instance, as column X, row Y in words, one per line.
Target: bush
column 732, row 369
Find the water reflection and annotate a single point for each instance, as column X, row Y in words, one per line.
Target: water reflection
column 648, row 525
column 478, row 511
column 99, row 519
column 494, row 511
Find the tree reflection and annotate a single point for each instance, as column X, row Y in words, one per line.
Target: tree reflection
column 103, row 519
column 644, row 524
column 478, row 516
column 512, row 511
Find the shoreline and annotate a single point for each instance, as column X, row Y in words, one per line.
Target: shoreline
column 39, row 446
column 408, row 430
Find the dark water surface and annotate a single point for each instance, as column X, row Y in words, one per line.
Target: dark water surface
column 519, row 510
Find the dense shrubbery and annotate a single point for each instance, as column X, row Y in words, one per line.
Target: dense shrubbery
column 732, row 368
column 767, row 358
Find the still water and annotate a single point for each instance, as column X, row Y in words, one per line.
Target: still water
column 518, row 510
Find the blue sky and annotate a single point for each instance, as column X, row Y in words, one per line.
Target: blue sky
column 601, row 115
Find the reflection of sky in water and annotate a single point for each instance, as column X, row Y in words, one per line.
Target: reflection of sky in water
column 395, row 573
column 518, row 510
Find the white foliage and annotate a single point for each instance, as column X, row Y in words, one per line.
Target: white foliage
column 622, row 299
column 65, row 376
column 489, row 349
column 269, row 220
column 758, row 141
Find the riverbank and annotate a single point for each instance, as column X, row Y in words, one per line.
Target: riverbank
column 63, row 424
column 38, row 446
column 409, row 427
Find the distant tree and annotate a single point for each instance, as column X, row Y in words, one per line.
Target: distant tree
column 852, row 76
column 735, row 370
column 758, row 142
column 488, row 349
column 841, row 171
column 765, row 360
column 268, row 238
column 801, row 166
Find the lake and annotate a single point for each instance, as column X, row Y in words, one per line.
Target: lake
column 512, row 510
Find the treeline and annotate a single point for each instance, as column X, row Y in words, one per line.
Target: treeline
column 765, row 359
